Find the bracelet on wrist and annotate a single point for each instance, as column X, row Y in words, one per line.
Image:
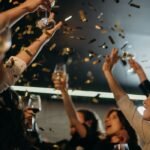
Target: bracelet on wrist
column 28, row 53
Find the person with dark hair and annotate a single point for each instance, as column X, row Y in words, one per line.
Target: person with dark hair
column 117, row 131
column 139, row 123
column 11, row 123
column 84, row 126
column 11, row 130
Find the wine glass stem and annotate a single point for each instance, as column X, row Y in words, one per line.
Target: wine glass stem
column 47, row 16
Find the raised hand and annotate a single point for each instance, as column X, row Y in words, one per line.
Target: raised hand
column 32, row 5
column 50, row 32
column 110, row 60
column 138, row 69
column 60, row 80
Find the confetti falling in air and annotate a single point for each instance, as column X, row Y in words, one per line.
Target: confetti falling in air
column 111, row 39
column 92, row 41
column 83, row 17
column 67, row 18
column 135, row 5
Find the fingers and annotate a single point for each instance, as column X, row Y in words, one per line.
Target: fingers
column 28, row 113
column 51, row 16
column 58, row 25
column 50, row 32
column 47, row 5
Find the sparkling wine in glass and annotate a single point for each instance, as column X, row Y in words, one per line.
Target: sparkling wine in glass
column 5, row 40
column 60, row 70
column 35, row 105
column 123, row 146
column 46, row 22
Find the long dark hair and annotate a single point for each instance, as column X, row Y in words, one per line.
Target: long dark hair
column 131, row 132
column 90, row 115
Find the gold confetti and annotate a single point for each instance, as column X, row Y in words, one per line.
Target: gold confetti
column 13, row 46
column 86, row 59
column 17, row 29
column 35, row 65
column 53, row 46
column 98, row 27
column 83, row 17
column 67, row 51
column 104, row 31
column 88, row 81
column 46, row 70
column 96, row 62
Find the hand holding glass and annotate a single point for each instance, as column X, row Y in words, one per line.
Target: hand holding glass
column 47, row 22
column 60, row 73
column 34, row 104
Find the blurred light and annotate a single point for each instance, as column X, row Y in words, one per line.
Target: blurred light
column 141, row 110
column 43, row 90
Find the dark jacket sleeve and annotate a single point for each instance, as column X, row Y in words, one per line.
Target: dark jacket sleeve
column 145, row 87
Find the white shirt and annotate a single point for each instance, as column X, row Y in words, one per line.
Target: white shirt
column 141, row 126
column 12, row 71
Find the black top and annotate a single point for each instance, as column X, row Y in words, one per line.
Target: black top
column 11, row 123
column 106, row 145
column 145, row 87
column 87, row 142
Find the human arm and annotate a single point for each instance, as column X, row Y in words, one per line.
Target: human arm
column 17, row 64
column 60, row 83
column 144, row 82
column 29, row 53
column 123, row 101
column 11, row 16
column 108, row 65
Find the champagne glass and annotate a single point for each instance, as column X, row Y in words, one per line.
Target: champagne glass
column 34, row 104
column 123, row 146
column 5, row 40
column 60, row 69
column 60, row 72
column 46, row 22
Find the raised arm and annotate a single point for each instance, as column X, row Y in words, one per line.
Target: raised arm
column 30, row 52
column 110, row 61
column 144, row 82
column 60, row 83
column 138, row 70
column 10, row 17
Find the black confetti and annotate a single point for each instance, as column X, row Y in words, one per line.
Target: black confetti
column 111, row 39
column 92, row 41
